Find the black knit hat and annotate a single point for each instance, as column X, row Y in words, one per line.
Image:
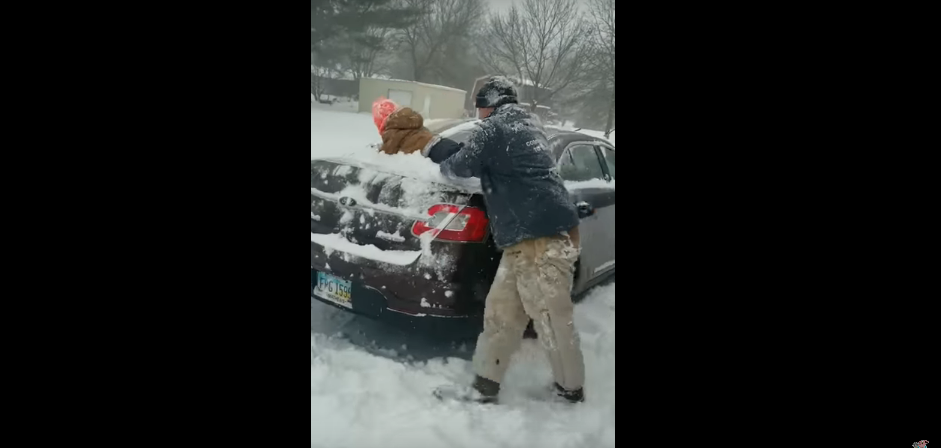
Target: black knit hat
column 496, row 92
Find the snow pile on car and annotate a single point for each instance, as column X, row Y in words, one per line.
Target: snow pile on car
column 353, row 137
column 335, row 242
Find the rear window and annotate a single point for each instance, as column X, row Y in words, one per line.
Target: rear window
column 438, row 126
column 382, row 191
column 461, row 132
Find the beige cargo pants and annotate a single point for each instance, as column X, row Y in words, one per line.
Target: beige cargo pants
column 534, row 281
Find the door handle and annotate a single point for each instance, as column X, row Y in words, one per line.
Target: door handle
column 585, row 210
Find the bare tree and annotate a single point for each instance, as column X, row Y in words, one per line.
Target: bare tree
column 317, row 74
column 442, row 26
column 365, row 56
column 322, row 66
column 544, row 43
column 603, row 59
column 348, row 36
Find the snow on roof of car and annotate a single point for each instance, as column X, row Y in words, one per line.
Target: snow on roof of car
column 415, row 166
column 435, row 86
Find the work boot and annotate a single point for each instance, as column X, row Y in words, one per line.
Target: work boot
column 483, row 391
column 489, row 390
column 572, row 396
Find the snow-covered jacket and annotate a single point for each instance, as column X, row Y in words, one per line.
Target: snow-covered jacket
column 525, row 196
column 441, row 148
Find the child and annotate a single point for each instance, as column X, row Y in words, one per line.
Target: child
column 402, row 130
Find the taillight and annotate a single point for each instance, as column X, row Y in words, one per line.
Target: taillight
column 468, row 224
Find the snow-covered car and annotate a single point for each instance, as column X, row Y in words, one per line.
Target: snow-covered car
column 392, row 239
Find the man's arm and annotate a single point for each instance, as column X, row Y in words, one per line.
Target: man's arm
column 470, row 160
column 441, row 149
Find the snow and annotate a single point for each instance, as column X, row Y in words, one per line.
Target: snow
column 362, row 396
column 501, row 82
column 336, row 242
column 341, row 104
column 395, row 237
column 335, row 134
column 430, row 123
column 598, row 134
column 463, row 127
column 413, row 209
column 377, row 400
column 593, row 183
column 433, row 86
column 353, row 136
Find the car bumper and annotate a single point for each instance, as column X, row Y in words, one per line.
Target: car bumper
column 373, row 303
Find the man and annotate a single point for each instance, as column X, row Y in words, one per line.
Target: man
column 536, row 225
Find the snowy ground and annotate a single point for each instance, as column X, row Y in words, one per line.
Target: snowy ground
column 334, row 130
column 370, row 385
column 341, row 104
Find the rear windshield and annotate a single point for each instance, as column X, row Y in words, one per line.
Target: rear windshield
column 460, row 131
column 383, row 191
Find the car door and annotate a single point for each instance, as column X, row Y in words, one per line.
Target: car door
column 607, row 153
column 585, row 178
column 606, row 214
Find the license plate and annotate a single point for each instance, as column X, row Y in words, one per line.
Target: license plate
column 334, row 289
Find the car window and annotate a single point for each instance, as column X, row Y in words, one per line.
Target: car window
column 580, row 163
column 460, row 133
column 609, row 159
column 442, row 125
column 462, row 136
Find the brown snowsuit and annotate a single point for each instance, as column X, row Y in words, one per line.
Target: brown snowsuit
column 405, row 132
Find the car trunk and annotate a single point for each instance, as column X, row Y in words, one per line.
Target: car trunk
column 362, row 227
column 366, row 207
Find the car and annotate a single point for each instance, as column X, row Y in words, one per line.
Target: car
column 400, row 248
